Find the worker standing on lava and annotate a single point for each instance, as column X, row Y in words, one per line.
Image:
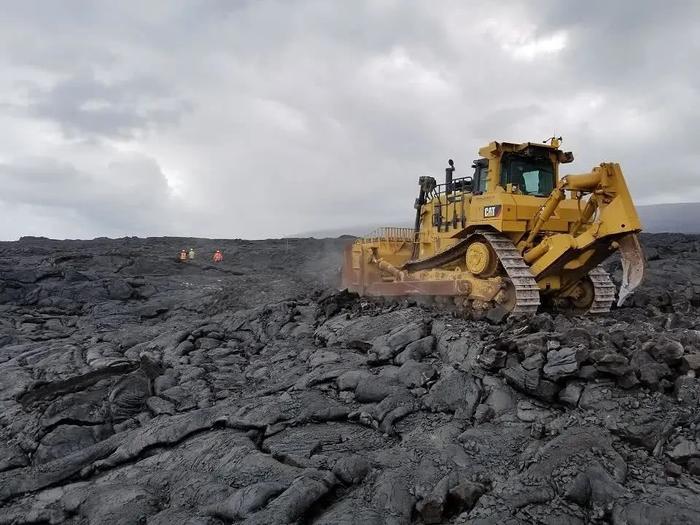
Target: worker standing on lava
column 191, row 254
column 218, row 256
column 183, row 255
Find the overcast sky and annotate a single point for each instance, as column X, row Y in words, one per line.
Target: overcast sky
column 265, row 118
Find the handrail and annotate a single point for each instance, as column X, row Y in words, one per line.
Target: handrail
column 390, row 233
column 460, row 184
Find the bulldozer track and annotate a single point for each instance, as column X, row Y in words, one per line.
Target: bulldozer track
column 604, row 291
column 527, row 293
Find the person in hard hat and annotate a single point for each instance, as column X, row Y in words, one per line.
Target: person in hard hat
column 218, row 256
column 183, row 255
column 191, row 254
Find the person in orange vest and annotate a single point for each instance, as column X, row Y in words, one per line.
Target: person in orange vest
column 218, row 256
column 183, row 255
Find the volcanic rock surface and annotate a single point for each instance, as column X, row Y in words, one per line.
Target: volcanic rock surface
column 137, row 389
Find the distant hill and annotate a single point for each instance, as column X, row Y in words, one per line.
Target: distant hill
column 674, row 218
column 656, row 218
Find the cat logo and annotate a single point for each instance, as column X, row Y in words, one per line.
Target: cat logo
column 491, row 211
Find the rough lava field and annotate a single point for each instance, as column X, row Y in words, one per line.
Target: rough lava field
column 137, row 389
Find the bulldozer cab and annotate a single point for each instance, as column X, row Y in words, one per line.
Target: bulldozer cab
column 527, row 169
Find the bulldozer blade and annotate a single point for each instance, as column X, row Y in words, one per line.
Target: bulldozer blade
column 633, row 263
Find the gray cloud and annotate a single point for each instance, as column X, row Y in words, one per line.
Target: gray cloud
column 84, row 106
column 130, row 197
column 266, row 118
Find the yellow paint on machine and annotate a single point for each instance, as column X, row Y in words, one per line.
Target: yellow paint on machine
column 562, row 227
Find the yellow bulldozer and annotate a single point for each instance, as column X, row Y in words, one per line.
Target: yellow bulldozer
column 514, row 235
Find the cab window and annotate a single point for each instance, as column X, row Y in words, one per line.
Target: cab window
column 531, row 176
column 483, row 176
